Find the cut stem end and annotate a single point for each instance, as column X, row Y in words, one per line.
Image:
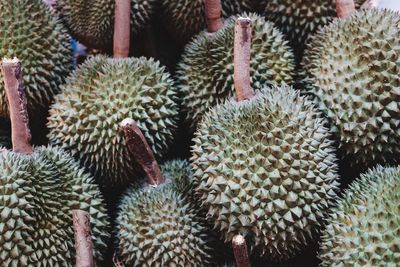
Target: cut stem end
column 83, row 238
column 213, row 15
column 345, row 8
column 240, row 251
column 122, row 28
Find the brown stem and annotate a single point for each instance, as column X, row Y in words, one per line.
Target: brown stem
column 83, row 238
column 122, row 28
column 213, row 15
column 14, row 87
column 240, row 251
column 141, row 150
column 242, row 53
column 345, row 8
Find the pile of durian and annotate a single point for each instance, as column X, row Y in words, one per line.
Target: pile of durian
column 200, row 132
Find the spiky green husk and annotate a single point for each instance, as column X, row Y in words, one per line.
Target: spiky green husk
column 299, row 19
column 92, row 21
column 363, row 230
column 352, row 69
column 38, row 194
column 205, row 74
column 159, row 227
column 85, row 118
column 186, row 18
column 28, row 31
column 265, row 168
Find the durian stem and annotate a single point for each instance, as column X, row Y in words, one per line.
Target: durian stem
column 122, row 28
column 213, row 15
column 242, row 53
column 142, row 152
column 345, row 8
column 14, row 87
column 240, row 251
column 83, row 238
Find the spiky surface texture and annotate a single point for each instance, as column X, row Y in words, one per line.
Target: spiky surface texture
column 92, row 21
column 265, row 168
column 353, row 72
column 28, row 31
column 205, row 73
column 38, row 194
column 85, row 118
column 299, row 19
column 363, row 229
column 159, row 227
column 186, row 18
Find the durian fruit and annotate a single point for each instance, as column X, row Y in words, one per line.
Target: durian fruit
column 29, row 31
column 352, row 70
column 265, row 168
column 363, row 229
column 299, row 19
column 85, row 117
column 158, row 225
column 205, row 73
column 185, row 18
column 92, row 21
column 39, row 188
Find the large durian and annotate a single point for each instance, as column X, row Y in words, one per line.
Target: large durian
column 265, row 168
column 29, row 31
column 38, row 193
column 363, row 230
column 92, row 21
column 353, row 72
column 186, row 18
column 160, row 226
column 85, row 117
column 205, row 73
column 298, row 19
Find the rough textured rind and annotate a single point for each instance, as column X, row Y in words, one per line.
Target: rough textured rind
column 92, row 21
column 363, row 230
column 352, row 69
column 159, row 227
column 205, row 73
column 186, row 18
column 29, row 32
column 265, row 168
column 299, row 19
column 38, row 194
column 85, row 118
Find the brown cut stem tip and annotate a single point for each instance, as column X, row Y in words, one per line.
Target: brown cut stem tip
column 83, row 238
column 17, row 104
column 142, row 152
column 122, row 28
column 240, row 251
column 213, row 15
column 345, row 8
column 242, row 54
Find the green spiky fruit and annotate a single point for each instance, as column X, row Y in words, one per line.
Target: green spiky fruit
column 353, row 72
column 37, row 195
column 186, row 18
column 205, row 74
column 85, row 118
column 299, row 19
column 29, row 31
column 92, row 21
column 265, row 168
column 159, row 227
column 363, row 230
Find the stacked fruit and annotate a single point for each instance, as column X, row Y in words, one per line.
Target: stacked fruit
column 245, row 155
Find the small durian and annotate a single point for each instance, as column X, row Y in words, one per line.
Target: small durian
column 92, row 21
column 265, row 167
column 363, row 229
column 30, row 32
column 39, row 188
column 158, row 225
column 352, row 70
column 205, row 73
